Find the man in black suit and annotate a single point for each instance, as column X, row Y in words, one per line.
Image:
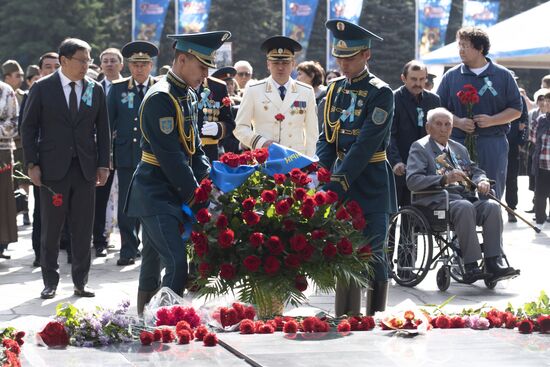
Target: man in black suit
column 66, row 143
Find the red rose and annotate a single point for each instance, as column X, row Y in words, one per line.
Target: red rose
column 256, row 239
column 269, row 196
column 330, row 250
column 227, row 271
column 248, row 203
column 308, row 201
column 443, row 322
column 307, row 252
column 203, row 216
column 510, row 320
column 146, row 338
column 359, row 223
column 252, row 263
column 54, row 335
column 289, row 225
column 282, row 207
column 226, row 238
column 261, row 155
column 204, row 270
column 307, row 211
column 295, row 175
column 290, row 327
column 318, row 234
column 345, row 247
column 251, row 218
column 300, row 282
column 279, row 117
column 199, row 238
column 271, row 265
column 201, row 195
column 222, row 222
column 210, row 340
column 365, row 251
column 300, row 193
column 457, row 322
column 57, row 200
column 494, row 321
column 544, row 323
column 525, row 326
column 298, row 242
column 367, row 323
column 246, row 157
column 184, row 337
column 320, row 198
column 275, row 245
column 279, row 178
column 331, row 197
column 201, row 249
column 304, row 180
column 226, row 101
column 323, row 175
column 206, row 184
column 292, row 261
column 344, row 326
column 247, row 327
column 200, row 332
column 342, row 214
column 231, row 159
column 354, row 209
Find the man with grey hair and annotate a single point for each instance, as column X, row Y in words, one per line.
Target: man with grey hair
column 244, row 73
column 426, row 170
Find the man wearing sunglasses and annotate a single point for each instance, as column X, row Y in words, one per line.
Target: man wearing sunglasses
column 244, row 73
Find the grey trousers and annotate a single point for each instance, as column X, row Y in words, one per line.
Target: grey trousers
column 465, row 216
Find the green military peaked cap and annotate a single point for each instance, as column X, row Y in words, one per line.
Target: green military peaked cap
column 201, row 45
column 349, row 39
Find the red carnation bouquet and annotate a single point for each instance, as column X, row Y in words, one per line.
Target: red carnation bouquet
column 468, row 96
column 10, row 346
column 271, row 236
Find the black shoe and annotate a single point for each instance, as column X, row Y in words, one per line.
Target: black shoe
column 36, row 263
column 48, row 293
column 83, row 292
column 123, row 262
column 530, row 211
column 2, row 256
column 512, row 218
column 69, row 259
column 26, row 219
column 473, row 273
column 498, row 271
column 138, row 254
column 100, row 252
column 548, row 219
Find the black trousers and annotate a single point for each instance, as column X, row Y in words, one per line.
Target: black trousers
column 101, row 199
column 78, row 204
column 129, row 227
column 512, row 176
column 542, row 193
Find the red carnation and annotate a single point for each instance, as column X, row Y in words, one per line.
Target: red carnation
column 290, row 327
column 252, row 263
column 247, row 327
column 308, row 201
column 231, row 159
column 228, row 316
column 261, row 155
column 494, row 321
column 457, row 322
column 201, row 195
column 525, row 326
column 308, row 324
column 247, row 157
column 307, row 211
column 167, row 335
column 248, row 203
column 354, row 209
column 204, row 270
column 54, row 335
column 275, row 245
column 367, row 323
column 200, row 332
column 256, row 239
column 359, row 223
column 227, row 271
column 210, row 340
column 344, row 326
column 267, row 328
column 184, row 337
column 279, row 117
column 323, row 175
column 289, row 225
column 329, row 251
column 271, row 265
column 11, row 345
column 443, row 322
column 320, row 198
column 203, row 216
column 249, row 313
column 282, row 207
column 222, row 222
column 57, row 200
column 226, row 101
column 510, row 320
column 318, row 234
column 345, row 247
column 342, row 214
column 269, row 196
column 544, row 323
column 226, row 238
column 201, row 249
column 251, row 218
column 206, row 184
column 157, row 335
column 146, row 338
column 295, row 175
column 307, row 252
column 300, row 282
column 183, row 325
column 292, row 261
column 331, row 197
column 300, row 193
column 279, row 178
column 199, row 238
column 298, row 242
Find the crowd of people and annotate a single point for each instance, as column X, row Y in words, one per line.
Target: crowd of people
column 101, row 149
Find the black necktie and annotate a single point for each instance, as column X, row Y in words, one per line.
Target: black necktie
column 282, row 92
column 73, row 105
column 140, row 91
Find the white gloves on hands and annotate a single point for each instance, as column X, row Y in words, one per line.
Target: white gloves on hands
column 209, row 128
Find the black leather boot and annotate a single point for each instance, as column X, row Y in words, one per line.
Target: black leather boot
column 473, row 273
column 377, row 296
column 498, row 271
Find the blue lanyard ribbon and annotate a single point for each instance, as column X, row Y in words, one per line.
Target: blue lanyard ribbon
column 488, row 85
column 420, row 116
column 129, row 98
column 87, row 97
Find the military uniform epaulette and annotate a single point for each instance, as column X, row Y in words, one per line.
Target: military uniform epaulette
column 303, row 84
column 378, row 83
column 259, row 82
column 335, row 80
column 216, row 80
column 121, row 80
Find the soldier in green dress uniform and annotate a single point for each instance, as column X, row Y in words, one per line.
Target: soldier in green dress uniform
column 172, row 164
column 357, row 116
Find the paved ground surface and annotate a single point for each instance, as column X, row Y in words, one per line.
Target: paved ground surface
column 20, row 286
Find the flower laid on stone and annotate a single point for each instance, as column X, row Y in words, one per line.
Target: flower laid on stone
column 10, row 349
column 229, row 316
column 171, row 315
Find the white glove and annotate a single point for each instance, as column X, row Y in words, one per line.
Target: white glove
column 314, row 181
column 210, row 128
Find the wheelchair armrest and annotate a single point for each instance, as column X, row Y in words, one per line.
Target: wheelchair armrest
column 433, row 190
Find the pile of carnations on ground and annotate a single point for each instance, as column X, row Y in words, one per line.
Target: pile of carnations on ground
column 12, row 340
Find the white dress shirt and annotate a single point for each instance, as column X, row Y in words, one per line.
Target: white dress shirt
column 67, row 88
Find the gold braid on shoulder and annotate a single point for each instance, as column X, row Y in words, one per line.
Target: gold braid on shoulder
column 330, row 125
column 188, row 141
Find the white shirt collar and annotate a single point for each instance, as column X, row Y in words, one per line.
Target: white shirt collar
column 65, row 81
column 286, row 85
column 443, row 147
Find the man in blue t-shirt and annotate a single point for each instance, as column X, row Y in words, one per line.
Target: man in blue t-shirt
column 499, row 103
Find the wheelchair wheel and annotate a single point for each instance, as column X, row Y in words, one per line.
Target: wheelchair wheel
column 490, row 284
column 443, row 278
column 410, row 246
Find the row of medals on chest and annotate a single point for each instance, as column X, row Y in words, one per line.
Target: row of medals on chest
column 297, row 108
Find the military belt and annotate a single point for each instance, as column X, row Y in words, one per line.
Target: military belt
column 149, row 158
column 354, row 132
column 376, row 157
column 209, row 141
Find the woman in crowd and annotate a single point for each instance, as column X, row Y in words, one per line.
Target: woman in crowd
column 312, row 73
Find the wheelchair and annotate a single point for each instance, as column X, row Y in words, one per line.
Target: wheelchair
column 420, row 238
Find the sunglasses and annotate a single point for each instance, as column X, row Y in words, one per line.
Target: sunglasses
column 244, row 73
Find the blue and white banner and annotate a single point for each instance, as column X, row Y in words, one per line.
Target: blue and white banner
column 148, row 19
column 432, row 20
column 480, row 13
column 298, row 22
column 192, row 15
column 349, row 10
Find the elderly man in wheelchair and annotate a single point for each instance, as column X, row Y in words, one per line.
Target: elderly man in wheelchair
column 443, row 180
